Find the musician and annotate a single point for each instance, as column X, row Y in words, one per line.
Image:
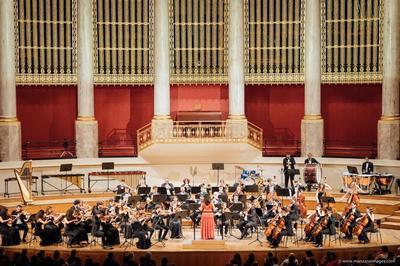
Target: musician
column 270, row 191
column 183, row 190
column 111, row 233
column 158, row 222
column 186, row 186
column 297, row 189
column 369, row 227
column 310, row 159
column 323, row 187
column 356, row 213
column 216, row 200
column 46, row 227
column 222, row 191
column 269, row 213
column 150, row 202
column 222, row 222
column 314, row 218
column 175, row 224
column 20, row 222
column 236, row 195
column 293, row 210
column 329, row 229
column 9, row 234
column 98, row 230
column 126, row 196
column 288, row 163
column 136, row 230
column 286, row 230
column 351, row 195
column 142, row 183
column 248, row 219
column 367, row 167
column 169, row 186
column 75, row 230
column 204, row 183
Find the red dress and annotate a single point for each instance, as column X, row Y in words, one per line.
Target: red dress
column 207, row 221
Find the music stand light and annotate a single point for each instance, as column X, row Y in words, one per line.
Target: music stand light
column 107, row 166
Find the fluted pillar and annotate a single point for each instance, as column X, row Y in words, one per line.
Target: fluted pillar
column 236, row 123
column 389, row 123
column 86, row 129
column 10, row 127
column 312, row 125
column 162, row 122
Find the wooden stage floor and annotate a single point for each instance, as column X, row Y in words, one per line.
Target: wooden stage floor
column 217, row 252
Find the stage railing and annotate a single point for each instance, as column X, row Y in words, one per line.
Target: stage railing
column 281, row 148
column 201, row 132
column 48, row 149
column 342, row 148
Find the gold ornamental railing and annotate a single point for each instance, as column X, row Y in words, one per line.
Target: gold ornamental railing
column 200, row 132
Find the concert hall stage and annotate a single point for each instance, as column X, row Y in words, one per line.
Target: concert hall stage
column 181, row 252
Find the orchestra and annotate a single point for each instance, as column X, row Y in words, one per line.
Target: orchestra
column 140, row 218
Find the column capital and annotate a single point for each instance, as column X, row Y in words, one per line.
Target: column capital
column 312, row 117
column 85, row 118
column 389, row 118
column 7, row 119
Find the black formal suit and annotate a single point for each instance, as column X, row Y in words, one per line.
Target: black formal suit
column 169, row 185
column 294, row 212
column 368, row 228
column 248, row 222
column 330, row 229
column 288, row 163
column 367, row 168
column 312, row 160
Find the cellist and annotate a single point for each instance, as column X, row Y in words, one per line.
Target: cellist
column 366, row 224
column 356, row 213
column 314, row 219
column 329, row 229
column 283, row 228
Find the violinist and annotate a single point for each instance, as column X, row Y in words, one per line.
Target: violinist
column 222, row 222
column 356, row 215
column 169, row 186
column 328, row 228
column 111, row 233
column 142, row 183
column 205, row 184
column 46, row 228
column 158, row 222
column 248, row 219
column 222, row 191
column 150, row 202
column 175, row 224
column 236, row 195
column 186, row 186
column 367, row 225
column 293, row 210
column 270, row 191
column 145, row 222
column 20, row 222
column 216, row 199
column 10, row 235
column 284, row 227
column 75, row 230
column 98, row 230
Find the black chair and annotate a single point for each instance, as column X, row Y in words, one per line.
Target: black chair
column 294, row 237
column 377, row 231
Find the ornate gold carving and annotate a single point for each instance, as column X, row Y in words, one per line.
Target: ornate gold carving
column 85, row 118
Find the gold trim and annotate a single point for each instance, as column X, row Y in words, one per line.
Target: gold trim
column 85, row 118
column 389, row 118
column 6, row 119
column 161, row 117
column 312, row 117
column 236, row 117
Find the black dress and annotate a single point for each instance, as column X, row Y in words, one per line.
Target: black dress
column 9, row 234
column 76, row 231
column 49, row 233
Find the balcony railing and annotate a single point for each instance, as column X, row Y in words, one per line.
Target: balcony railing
column 200, row 132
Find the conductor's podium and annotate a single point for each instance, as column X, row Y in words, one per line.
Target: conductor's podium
column 205, row 245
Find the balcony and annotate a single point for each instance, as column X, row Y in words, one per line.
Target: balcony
column 221, row 141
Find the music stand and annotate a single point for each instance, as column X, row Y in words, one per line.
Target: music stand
column 162, row 190
column 218, row 166
column 231, row 189
column 251, row 188
column 352, row 170
column 224, row 198
column 182, row 197
column 143, row 190
column 236, row 207
column 282, row 192
column 293, row 171
column 259, row 214
column 214, row 189
column 195, row 190
column 107, row 166
column 194, row 207
column 159, row 198
column 181, row 215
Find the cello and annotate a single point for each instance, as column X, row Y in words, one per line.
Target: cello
column 357, row 230
column 347, row 221
column 320, row 226
column 278, row 229
column 271, row 226
column 301, row 200
column 310, row 225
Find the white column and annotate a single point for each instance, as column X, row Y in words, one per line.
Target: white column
column 161, row 60
column 86, row 128
column 389, row 124
column 10, row 127
column 236, row 60
column 162, row 123
column 312, row 125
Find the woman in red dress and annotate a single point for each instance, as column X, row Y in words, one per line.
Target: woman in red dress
column 207, row 219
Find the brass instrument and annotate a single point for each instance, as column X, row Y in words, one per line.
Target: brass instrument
column 25, row 171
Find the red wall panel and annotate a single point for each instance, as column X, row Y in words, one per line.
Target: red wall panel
column 277, row 109
column 47, row 113
column 199, row 98
column 351, row 112
column 122, row 110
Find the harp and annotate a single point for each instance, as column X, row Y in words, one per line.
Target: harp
column 25, row 173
